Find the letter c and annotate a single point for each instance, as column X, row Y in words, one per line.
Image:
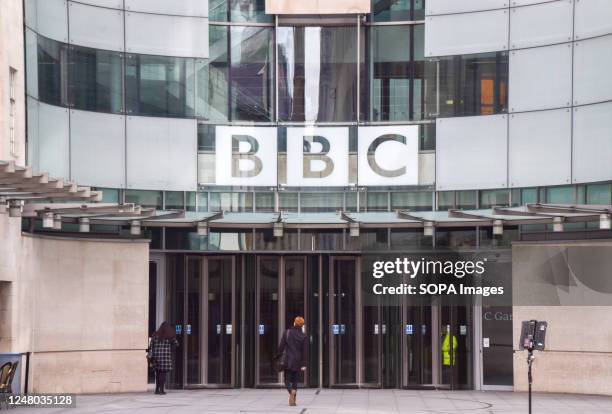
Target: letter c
column 372, row 156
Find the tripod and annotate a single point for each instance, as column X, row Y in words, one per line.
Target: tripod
column 530, row 358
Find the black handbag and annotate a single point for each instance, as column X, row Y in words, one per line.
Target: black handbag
column 281, row 360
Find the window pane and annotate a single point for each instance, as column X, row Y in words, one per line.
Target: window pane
column 406, row 239
column 202, row 202
column 416, row 201
column 471, row 84
column 51, row 60
column 160, row 86
column 252, row 73
column 385, row 10
column 231, row 240
column 378, row 201
column 249, row 11
column 317, row 73
column 95, row 79
column 427, row 137
column 529, row 195
column 324, row 202
column 264, row 202
column 265, row 240
column 389, row 73
column 174, row 200
column 456, row 238
column 560, row 195
column 419, row 109
column 599, row 194
column 190, row 202
column 217, row 10
column 466, row 199
column 446, row 200
column 109, row 195
column 206, row 137
column 212, row 78
column 288, row 202
column 490, row 198
column 144, row 198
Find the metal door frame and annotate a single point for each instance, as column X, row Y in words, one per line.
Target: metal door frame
column 282, row 260
column 204, row 343
column 358, row 327
column 187, row 322
column 434, row 344
column 280, row 314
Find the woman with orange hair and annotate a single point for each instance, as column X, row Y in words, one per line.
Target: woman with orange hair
column 293, row 347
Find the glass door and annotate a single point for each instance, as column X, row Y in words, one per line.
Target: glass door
column 192, row 330
column 343, row 305
column 269, row 319
column 455, row 347
column 219, row 321
column 294, row 300
column 417, row 344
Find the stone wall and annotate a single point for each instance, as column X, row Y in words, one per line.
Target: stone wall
column 578, row 355
column 12, row 56
column 80, row 306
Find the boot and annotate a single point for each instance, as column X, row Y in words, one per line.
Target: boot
column 292, row 396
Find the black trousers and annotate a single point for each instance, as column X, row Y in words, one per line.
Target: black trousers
column 291, row 379
column 160, row 380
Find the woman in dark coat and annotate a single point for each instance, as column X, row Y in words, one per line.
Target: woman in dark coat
column 294, row 345
column 163, row 343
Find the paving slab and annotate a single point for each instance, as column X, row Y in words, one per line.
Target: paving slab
column 312, row 401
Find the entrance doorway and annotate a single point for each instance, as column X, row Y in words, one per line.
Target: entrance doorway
column 208, row 331
column 280, row 297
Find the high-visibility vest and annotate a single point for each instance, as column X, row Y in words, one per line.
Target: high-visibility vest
column 446, row 350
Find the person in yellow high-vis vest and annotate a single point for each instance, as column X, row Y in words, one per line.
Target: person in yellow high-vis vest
column 447, row 350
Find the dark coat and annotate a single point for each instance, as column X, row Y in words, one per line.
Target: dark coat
column 295, row 344
column 161, row 352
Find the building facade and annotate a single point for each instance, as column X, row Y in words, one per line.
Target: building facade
column 286, row 115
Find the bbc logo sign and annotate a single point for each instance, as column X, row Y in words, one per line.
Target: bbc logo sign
column 317, row 156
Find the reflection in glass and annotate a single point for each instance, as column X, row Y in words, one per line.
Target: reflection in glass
column 95, row 79
column 51, row 71
column 235, row 202
column 212, row 78
column 249, row 11
column 378, row 201
column 320, row 202
column 390, row 73
column 175, row 200
column 252, row 73
column 317, row 73
column 456, row 238
column 470, row 84
column 491, row 198
column 159, row 86
column 268, row 328
column 219, row 302
column 231, row 240
column 217, row 10
column 391, row 10
column 264, row 202
column 144, row 198
column 415, row 201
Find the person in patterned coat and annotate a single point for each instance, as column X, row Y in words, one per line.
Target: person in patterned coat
column 163, row 344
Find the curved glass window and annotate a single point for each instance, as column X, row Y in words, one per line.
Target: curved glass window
column 317, row 73
column 238, row 11
column 471, row 84
column 397, row 10
column 51, row 71
column 252, row 74
column 95, row 79
column 212, row 78
column 159, row 86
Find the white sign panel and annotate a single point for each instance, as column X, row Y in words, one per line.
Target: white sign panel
column 246, row 156
column 389, row 155
column 317, row 156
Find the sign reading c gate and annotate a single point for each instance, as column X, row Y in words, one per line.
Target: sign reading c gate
column 317, row 156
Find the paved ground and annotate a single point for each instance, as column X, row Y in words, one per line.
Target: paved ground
column 334, row 401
